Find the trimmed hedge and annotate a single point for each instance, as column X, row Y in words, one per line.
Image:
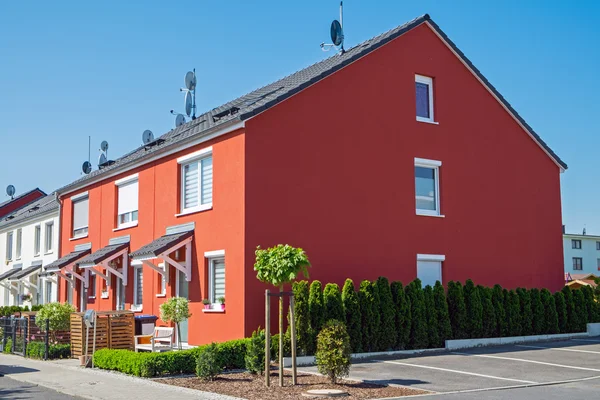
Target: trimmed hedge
column 37, row 350
column 403, row 318
column 369, row 315
column 332, row 302
column 387, row 336
column 352, row 314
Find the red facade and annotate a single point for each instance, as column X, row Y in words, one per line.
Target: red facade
column 331, row 170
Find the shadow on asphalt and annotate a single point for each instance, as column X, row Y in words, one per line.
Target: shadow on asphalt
column 401, row 382
column 18, row 393
column 11, row 370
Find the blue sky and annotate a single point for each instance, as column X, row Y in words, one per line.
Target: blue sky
column 112, row 69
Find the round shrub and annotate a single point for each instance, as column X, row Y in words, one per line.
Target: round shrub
column 333, row 351
column 208, row 364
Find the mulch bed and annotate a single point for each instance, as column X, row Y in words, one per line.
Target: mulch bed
column 252, row 387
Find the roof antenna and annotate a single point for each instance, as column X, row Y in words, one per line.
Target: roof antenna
column 337, row 33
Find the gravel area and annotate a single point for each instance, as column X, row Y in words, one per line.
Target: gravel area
column 252, row 387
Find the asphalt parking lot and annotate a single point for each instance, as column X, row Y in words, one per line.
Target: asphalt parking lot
column 538, row 370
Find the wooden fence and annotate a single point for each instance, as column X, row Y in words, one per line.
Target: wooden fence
column 114, row 330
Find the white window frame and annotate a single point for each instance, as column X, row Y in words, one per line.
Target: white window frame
column 48, row 295
column 82, row 231
column 134, row 305
column 163, row 282
column 48, row 247
column 10, row 238
column 432, row 257
column 435, row 165
column 211, row 257
column 37, row 240
column 426, row 80
column 19, row 244
column 93, row 282
column 183, row 161
column 121, row 182
column 597, row 245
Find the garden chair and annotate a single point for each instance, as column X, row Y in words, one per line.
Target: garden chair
column 163, row 339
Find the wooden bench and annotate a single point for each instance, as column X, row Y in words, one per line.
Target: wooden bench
column 163, row 339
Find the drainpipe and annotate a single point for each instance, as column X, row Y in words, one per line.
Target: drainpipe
column 58, row 247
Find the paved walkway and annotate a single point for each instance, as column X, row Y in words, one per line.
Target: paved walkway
column 66, row 377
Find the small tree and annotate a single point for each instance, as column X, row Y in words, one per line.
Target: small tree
column 333, row 351
column 332, row 300
column 316, row 310
column 489, row 313
column 590, row 303
column 302, row 315
column 403, row 319
column 498, row 303
column 208, row 363
column 369, row 315
column 580, row 310
column 474, row 310
column 561, row 311
column 433, row 334
column 59, row 316
column 280, row 265
column 526, row 313
column 572, row 322
column 387, row 336
column 419, row 336
column 457, row 310
column 550, row 314
column 352, row 314
column 537, row 309
column 175, row 310
column 513, row 313
column 443, row 317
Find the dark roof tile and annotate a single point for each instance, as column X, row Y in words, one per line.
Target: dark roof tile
column 102, row 254
column 160, row 245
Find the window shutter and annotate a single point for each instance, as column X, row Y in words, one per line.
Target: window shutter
column 128, row 197
column 80, row 213
column 190, row 185
column 219, row 279
column 207, row 180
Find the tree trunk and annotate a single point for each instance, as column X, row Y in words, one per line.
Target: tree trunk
column 179, row 337
column 281, row 335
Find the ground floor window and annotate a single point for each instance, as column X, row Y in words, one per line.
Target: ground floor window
column 48, row 292
column 216, row 279
column 138, row 286
column 577, row 263
column 429, row 268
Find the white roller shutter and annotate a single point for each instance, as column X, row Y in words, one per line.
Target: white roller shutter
column 128, row 197
column 80, row 213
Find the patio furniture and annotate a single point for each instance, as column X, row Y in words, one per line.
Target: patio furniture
column 163, row 339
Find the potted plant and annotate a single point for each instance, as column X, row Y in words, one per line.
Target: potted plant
column 206, row 303
column 26, row 297
column 222, row 301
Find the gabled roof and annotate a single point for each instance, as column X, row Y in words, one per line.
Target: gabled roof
column 262, row 99
column 102, row 254
column 5, row 208
column 9, row 273
column 32, row 210
column 160, row 245
column 35, row 266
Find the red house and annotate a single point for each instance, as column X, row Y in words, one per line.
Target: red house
column 396, row 158
column 16, row 202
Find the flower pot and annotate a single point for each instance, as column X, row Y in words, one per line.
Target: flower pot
column 223, row 307
column 207, row 306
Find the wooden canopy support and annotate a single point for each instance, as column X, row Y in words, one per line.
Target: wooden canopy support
column 111, row 270
column 187, row 268
column 162, row 272
column 83, row 278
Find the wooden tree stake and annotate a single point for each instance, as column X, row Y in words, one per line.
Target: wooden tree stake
column 293, row 328
column 267, row 339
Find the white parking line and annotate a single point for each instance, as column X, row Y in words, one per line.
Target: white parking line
column 456, row 371
column 558, row 349
column 528, row 361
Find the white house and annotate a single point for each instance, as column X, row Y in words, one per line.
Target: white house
column 28, row 241
column 581, row 253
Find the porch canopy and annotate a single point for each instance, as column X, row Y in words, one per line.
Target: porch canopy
column 4, row 277
column 63, row 267
column 104, row 258
column 22, row 277
column 161, row 248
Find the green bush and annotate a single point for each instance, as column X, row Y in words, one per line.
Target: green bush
column 419, row 336
column 208, row 363
column 590, row 304
column 512, row 306
column 489, row 313
column 498, row 303
column 433, row 335
column 333, row 351
column 403, row 320
column 255, row 353
column 572, row 322
column 457, row 310
column 332, row 302
column 8, row 346
column 443, row 317
column 232, row 353
column 550, row 314
column 561, row 311
column 474, row 310
column 59, row 315
column 316, row 311
column 580, row 310
column 287, row 345
column 369, row 315
column 526, row 313
column 37, row 307
column 302, row 315
column 37, row 350
column 352, row 311
column 537, row 309
column 387, row 336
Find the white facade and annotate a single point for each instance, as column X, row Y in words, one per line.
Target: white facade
column 581, row 251
column 44, row 224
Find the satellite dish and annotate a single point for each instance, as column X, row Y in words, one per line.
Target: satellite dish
column 102, row 159
column 179, row 120
column 147, row 136
column 190, row 80
column 189, row 102
column 86, row 167
column 337, row 34
column 10, row 190
column 104, row 145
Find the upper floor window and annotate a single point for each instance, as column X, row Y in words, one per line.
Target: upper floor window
column 575, row 243
column 427, row 186
column 127, row 212
column 424, row 98
column 81, row 211
column 196, row 181
column 19, row 242
column 9, row 246
column 597, row 245
column 49, row 237
column 37, row 240
column 577, row 263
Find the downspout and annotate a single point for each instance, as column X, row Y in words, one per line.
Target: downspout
column 58, row 248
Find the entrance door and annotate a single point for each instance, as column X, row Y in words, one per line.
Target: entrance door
column 83, row 297
column 70, row 293
column 183, row 291
column 120, row 289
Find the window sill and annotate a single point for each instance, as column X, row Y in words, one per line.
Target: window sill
column 427, row 121
column 161, row 295
column 78, row 237
column 91, row 297
column 212, row 310
column 48, row 252
column 425, row 214
column 194, row 210
column 104, row 296
column 136, row 309
column 120, row 228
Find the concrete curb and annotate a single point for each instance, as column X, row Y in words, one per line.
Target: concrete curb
column 305, row 361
